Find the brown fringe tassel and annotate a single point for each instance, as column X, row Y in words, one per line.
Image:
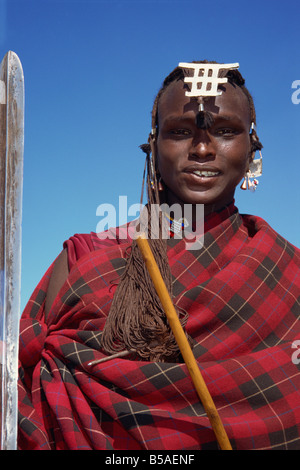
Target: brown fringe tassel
column 136, row 320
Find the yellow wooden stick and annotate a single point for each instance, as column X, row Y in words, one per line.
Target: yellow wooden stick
column 183, row 344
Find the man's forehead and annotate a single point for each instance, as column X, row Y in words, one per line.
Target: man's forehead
column 232, row 97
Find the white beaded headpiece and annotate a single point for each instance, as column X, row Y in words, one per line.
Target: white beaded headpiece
column 206, row 79
column 204, row 83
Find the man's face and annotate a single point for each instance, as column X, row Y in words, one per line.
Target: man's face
column 203, row 166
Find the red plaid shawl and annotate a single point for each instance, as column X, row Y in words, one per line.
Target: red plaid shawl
column 242, row 292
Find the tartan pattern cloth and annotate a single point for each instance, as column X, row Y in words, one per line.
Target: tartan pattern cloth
column 242, row 293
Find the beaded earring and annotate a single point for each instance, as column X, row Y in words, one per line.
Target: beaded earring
column 255, row 170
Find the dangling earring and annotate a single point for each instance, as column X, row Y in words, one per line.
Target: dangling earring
column 151, row 173
column 244, row 184
column 255, row 170
column 247, row 183
column 160, row 184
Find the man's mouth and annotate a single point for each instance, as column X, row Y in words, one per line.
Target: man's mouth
column 205, row 173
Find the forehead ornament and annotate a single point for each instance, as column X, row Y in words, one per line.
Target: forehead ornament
column 205, row 79
column 204, row 82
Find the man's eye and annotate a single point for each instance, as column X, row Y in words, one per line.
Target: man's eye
column 225, row 132
column 180, row 132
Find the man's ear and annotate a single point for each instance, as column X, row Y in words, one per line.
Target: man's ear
column 152, row 141
column 250, row 159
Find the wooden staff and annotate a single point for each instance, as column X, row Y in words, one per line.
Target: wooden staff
column 183, row 344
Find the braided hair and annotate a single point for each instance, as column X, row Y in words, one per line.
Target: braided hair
column 136, row 321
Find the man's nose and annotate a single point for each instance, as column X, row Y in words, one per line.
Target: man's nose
column 202, row 146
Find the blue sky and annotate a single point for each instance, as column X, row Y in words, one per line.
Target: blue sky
column 92, row 69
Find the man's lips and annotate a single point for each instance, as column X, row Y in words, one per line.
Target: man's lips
column 203, row 171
